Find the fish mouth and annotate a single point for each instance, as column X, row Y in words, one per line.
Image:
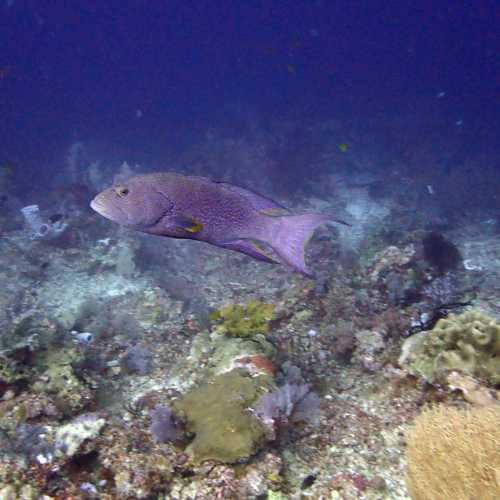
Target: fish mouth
column 100, row 206
column 112, row 212
column 97, row 205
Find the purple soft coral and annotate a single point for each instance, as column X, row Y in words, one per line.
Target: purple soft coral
column 288, row 403
column 163, row 425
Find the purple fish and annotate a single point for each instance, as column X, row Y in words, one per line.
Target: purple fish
column 224, row 215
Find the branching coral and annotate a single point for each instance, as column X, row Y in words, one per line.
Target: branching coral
column 454, row 454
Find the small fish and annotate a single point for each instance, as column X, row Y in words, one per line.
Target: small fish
column 218, row 213
column 85, row 338
column 344, row 147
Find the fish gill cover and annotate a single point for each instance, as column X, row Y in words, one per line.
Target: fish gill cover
column 139, row 366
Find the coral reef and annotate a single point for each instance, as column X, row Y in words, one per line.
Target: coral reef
column 115, row 383
column 255, row 354
column 135, row 468
column 440, row 253
column 24, row 492
column 454, row 454
column 138, row 360
column 39, row 228
column 469, row 343
column 10, row 371
column 237, row 320
column 217, row 413
column 289, row 403
column 472, row 390
column 69, row 391
column 69, row 437
column 164, row 428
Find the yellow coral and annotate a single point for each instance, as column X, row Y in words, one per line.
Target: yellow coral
column 238, row 320
column 454, row 454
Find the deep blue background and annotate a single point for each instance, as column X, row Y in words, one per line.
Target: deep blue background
column 81, row 70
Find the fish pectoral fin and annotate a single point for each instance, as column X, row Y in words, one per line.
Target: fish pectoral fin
column 253, row 248
column 187, row 223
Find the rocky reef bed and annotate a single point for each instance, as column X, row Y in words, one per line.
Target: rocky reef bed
column 138, row 368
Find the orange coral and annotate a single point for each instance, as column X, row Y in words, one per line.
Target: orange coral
column 454, row 454
column 261, row 363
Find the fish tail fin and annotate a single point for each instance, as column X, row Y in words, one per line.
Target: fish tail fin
column 288, row 236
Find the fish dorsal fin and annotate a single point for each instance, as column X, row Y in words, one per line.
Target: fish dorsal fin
column 256, row 201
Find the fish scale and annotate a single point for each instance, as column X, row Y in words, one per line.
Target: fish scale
column 221, row 214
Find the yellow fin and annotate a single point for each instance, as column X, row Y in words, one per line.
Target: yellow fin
column 188, row 224
column 195, row 228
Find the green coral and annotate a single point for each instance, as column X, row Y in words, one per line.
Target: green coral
column 14, row 492
column 69, row 437
column 217, row 413
column 469, row 343
column 10, row 371
column 225, row 351
column 276, row 495
column 238, row 320
column 59, row 380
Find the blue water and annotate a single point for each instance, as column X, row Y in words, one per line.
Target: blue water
column 84, row 71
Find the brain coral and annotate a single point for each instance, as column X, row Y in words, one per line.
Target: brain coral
column 469, row 343
column 217, row 413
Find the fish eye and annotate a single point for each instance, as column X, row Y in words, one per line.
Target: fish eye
column 121, row 191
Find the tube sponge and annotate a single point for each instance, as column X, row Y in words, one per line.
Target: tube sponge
column 39, row 228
